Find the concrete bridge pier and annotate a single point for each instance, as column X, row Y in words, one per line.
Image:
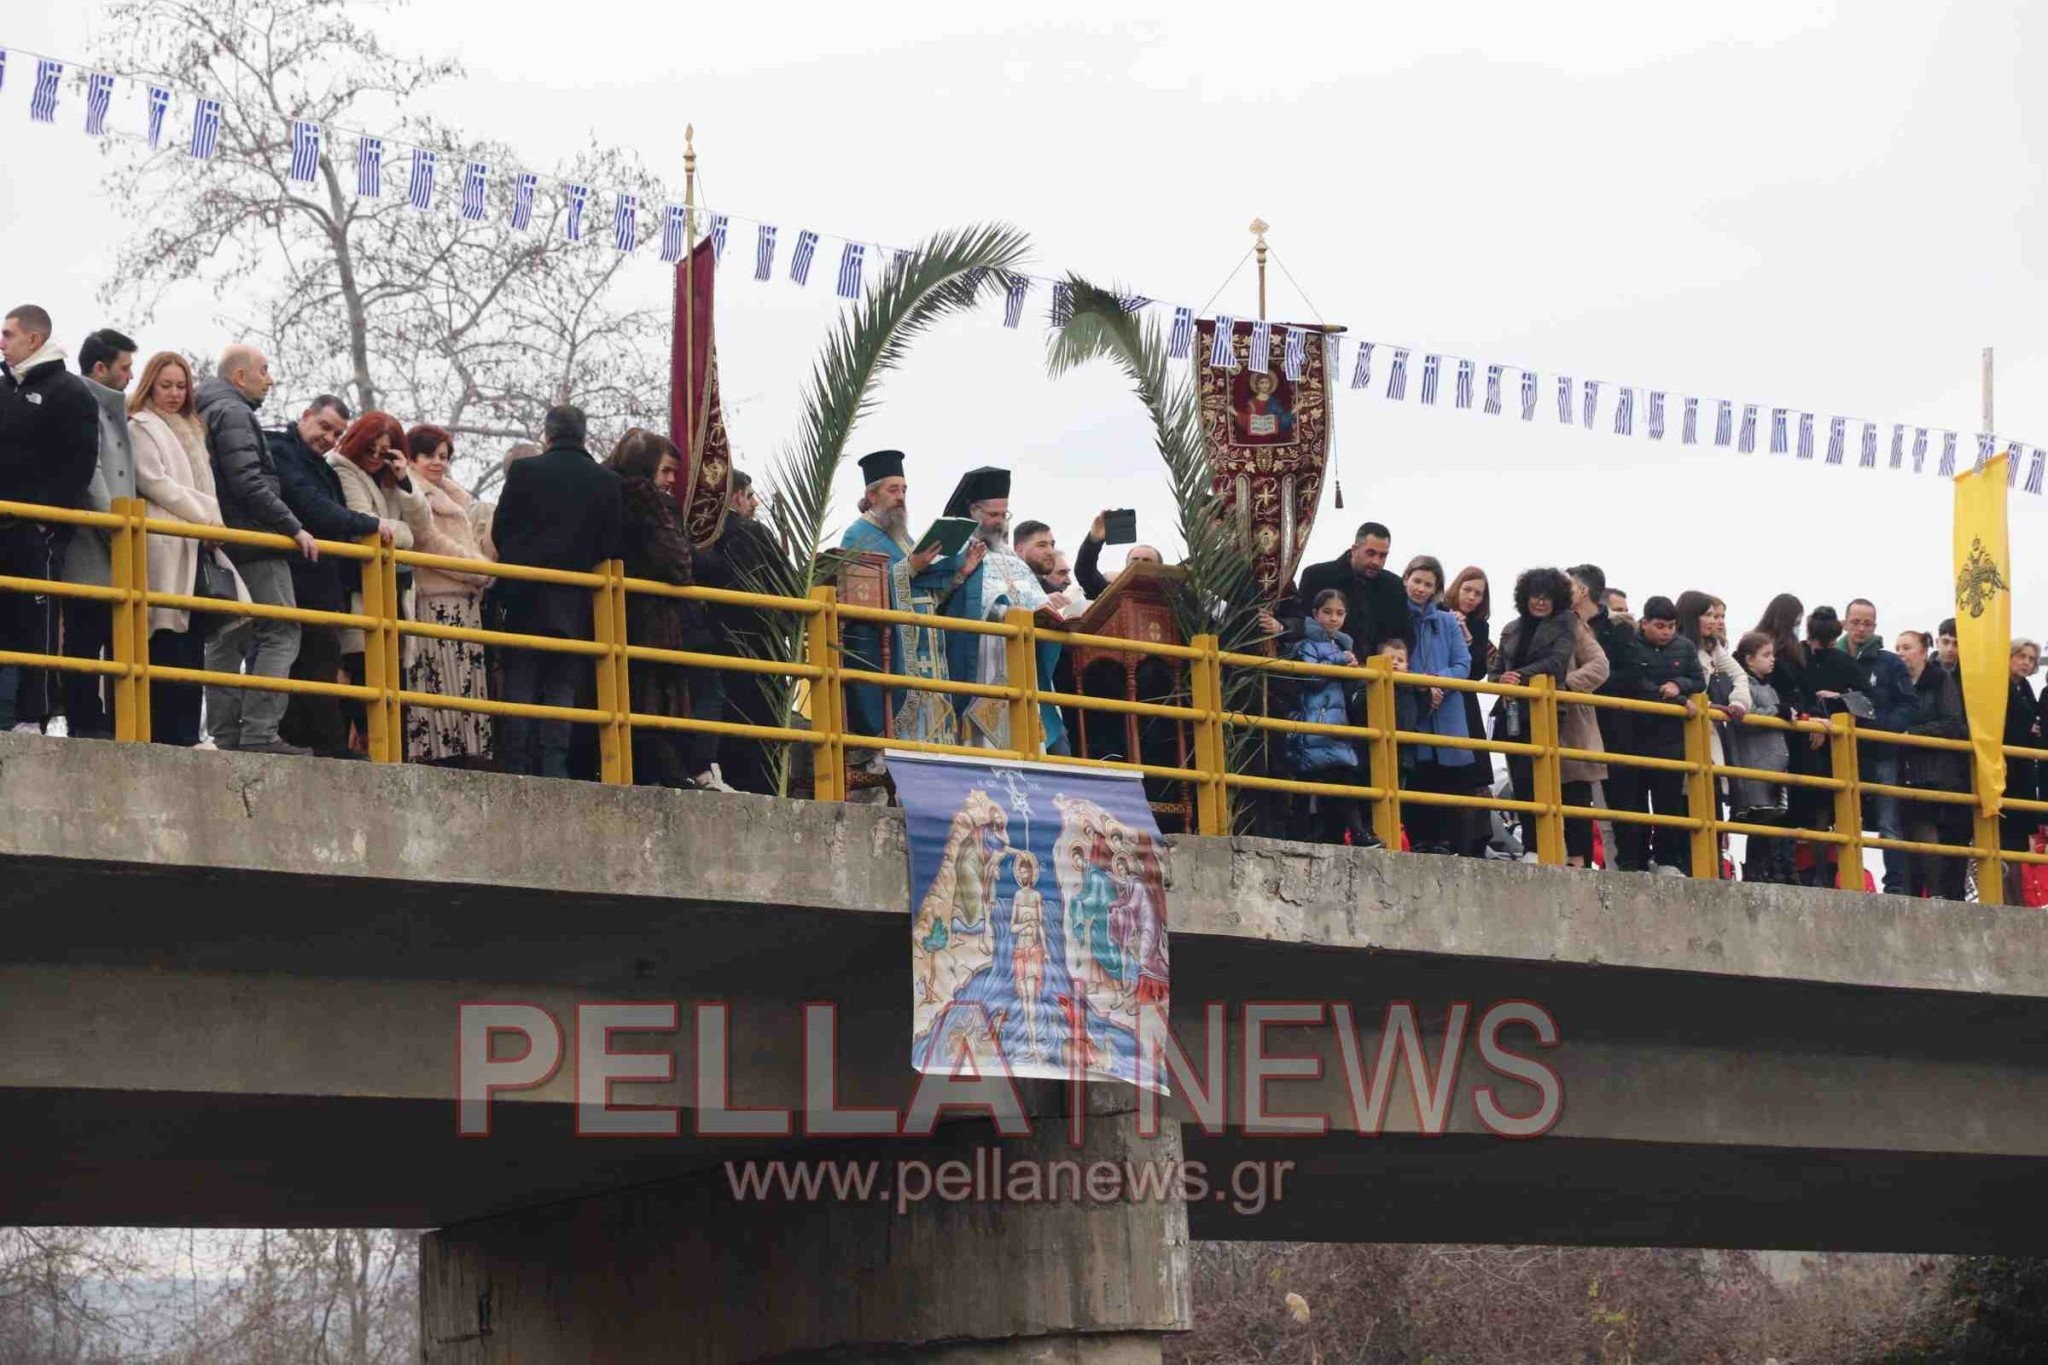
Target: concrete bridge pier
column 685, row 1271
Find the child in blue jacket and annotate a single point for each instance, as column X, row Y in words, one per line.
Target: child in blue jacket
column 1321, row 701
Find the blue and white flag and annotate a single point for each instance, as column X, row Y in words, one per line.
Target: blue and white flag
column 1361, row 368
column 625, row 221
column 800, row 259
column 1656, row 414
column 1261, row 358
column 1013, row 301
column 1183, row 335
column 718, row 226
column 3, row 68
column 1868, row 458
column 1429, row 369
column 1528, row 395
column 1805, row 436
column 1984, row 440
column 899, row 259
column 1835, row 430
column 420, row 192
column 1294, row 361
column 524, row 187
column 1898, row 445
column 42, row 105
column 370, row 167
column 305, row 151
column 1564, row 400
column 672, row 233
column 1397, row 377
column 1591, row 391
column 1780, row 444
column 579, row 199
column 476, row 183
column 1689, row 432
column 2034, row 471
column 850, row 261
column 764, row 252
column 159, row 105
column 1724, row 423
column 1919, row 448
column 2012, row 466
column 205, row 129
column 1464, row 393
column 1948, row 455
column 1746, row 442
column 1062, row 303
column 1493, row 373
column 1131, row 303
column 99, row 97
column 1625, row 413
column 1221, row 353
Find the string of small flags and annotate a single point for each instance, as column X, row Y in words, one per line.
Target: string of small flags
column 1735, row 425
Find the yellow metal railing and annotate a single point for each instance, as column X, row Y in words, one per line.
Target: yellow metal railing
column 1209, row 777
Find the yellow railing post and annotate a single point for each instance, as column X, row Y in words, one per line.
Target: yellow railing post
column 121, row 544
column 610, row 765
column 145, row 721
column 1205, row 688
column 1547, row 772
column 1699, row 788
column 1386, row 751
column 394, row 659
column 1020, row 655
column 1990, row 855
column 1842, row 766
column 622, row 688
column 828, row 717
column 376, row 645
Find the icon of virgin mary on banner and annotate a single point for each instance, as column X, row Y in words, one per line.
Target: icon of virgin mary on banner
column 1269, row 438
column 1038, row 916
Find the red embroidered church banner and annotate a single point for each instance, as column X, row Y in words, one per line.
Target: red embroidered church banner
column 696, row 420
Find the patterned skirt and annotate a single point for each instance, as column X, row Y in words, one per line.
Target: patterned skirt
column 449, row 668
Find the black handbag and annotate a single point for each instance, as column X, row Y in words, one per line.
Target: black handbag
column 213, row 579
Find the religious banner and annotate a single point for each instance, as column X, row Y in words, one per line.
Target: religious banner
column 1268, row 436
column 1037, row 917
column 696, row 419
column 1984, row 618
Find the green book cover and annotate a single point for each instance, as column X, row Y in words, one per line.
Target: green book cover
column 949, row 534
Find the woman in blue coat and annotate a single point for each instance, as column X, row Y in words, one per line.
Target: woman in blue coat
column 1437, row 647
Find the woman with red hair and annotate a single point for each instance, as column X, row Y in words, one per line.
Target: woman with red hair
column 449, row 597
column 369, row 459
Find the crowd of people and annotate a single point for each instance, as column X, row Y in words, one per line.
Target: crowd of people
column 195, row 451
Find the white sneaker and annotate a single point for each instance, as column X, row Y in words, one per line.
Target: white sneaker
column 28, row 727
column 1531, row 858
column 58, row 728
column 711, row 781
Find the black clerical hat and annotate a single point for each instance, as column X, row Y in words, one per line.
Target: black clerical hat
column 978, row 485
column 883, row 464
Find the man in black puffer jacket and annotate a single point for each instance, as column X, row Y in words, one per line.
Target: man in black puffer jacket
column 1667, row 669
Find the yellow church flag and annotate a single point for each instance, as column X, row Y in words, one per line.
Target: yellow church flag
column 1984, row 618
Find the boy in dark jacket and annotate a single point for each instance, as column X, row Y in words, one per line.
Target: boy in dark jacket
column 1667, row 670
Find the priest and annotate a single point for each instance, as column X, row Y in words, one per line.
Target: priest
column 1001, row 581
column 919, row 581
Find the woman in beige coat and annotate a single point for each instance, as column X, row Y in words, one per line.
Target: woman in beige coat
column 1578, row 727
column 448, row 668
column 174, row 475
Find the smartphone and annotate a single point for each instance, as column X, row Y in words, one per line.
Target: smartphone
column 1120, row 528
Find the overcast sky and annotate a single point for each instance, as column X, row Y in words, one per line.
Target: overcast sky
column 1823, row 206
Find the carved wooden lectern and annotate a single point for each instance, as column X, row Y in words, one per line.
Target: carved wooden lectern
column 1137, row 606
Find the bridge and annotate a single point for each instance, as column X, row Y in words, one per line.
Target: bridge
column 231, row 985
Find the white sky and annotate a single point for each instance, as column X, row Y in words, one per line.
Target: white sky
column 1826, row 206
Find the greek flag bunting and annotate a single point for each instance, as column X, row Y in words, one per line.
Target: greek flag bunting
column 1947, row 468
column 205, row 129
column 99, row 97
column 1464, row 391
column 1397, row 376
column 2034, row 470
column 1805, row 436
column 1591, row 390
column 899, row 258
column 1778, row 438
column 420, row 192
column 1183, row 334
column 1564, row 400
column 1062, row 303
column 523, row 189
column 1690, row 426
column 800, row 259
column 625, row 222
column 1867, row 459
column 1220, row 349
column 42, row 105
column 1013, row 303
column 1430, row 364
column 1528, row 395
column 305, row 151
column 718, row 226
column 2012, row 466
column 476, row 180
column 1898, row 445
column 3, row 68
column 1131, row 303
column 764, row 252
column 1493, row 373
column 1361, row 369
column 1724, row 423
column 1625, row 413
column 1656, row 414
column 1919, row 448
column 1984, row 439
column 1261, row 359
column 1835, row 426
column 1746, row 441
column 672, row 234
column 159, row 105
column 579, row 199
column 849, row 270
column 370, row 169
column 1294, row 362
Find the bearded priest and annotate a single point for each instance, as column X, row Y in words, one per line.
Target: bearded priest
column 1001, row 582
